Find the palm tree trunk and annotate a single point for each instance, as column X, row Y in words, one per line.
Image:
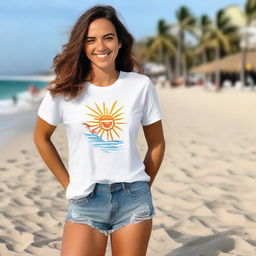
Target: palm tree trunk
column 161, row 54
column 242, row 74
column 204, row 62
column 244, row 60
column 168, row 67
column 217, row 68
column 185, row 69
column 182, row 56
column 178, row 55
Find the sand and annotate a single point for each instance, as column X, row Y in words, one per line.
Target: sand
column 204, row 193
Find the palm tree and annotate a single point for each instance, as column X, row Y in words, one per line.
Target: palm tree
column 205, row 24
column 161, row 46
column 250, row 10
column 141, row 50
column 220, row 38
column 204, row 29
column 250, row 15
column 189, row 58
column 186, row 23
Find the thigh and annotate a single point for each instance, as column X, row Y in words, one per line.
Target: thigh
column 132, row 239
column 82, row 240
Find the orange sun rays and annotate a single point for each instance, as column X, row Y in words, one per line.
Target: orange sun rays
column 105, row 122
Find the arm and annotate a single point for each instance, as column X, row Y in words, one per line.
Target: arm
column 42, row 140
column 156, row 147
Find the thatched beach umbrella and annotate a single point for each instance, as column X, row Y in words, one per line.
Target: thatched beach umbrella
column 228, row 64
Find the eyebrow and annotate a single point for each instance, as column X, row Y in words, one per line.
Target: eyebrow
column 103, row 36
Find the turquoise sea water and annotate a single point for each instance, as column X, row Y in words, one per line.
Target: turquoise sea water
column 8, row 88
column 19, row 115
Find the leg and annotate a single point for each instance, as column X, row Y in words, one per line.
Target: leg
column 132, row 239
column 82, row 240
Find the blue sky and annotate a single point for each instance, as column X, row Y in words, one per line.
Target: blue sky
column 32, row 32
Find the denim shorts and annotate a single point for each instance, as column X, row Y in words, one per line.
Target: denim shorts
column 111, row 206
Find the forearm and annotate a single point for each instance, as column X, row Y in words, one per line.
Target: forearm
column 52, row 159
column 153, row 160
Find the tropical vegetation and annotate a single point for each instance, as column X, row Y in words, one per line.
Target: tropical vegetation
column 191, row 41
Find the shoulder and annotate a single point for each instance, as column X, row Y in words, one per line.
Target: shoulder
column 49, row 98
column 137, row 78
column 54, row 96
column 135, row 75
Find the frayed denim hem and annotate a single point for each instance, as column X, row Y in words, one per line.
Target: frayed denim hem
column 89, row 224
column 134, row 221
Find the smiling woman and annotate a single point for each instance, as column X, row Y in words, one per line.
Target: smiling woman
column 102, row 46
column 103, row 30
column 107, row 183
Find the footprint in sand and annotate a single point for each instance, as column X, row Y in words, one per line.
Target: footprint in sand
column 41, row 170
column 28, row 164
column 11, row 160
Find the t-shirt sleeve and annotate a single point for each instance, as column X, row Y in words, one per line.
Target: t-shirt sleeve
column 151, row 111
column 50, row 109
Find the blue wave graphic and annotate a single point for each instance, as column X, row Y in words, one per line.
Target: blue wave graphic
column 106, row 146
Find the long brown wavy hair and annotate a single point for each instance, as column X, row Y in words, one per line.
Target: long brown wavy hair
column 72, row 66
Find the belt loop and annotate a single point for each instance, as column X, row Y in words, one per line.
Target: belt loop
column 123, row 184
column 92, row 193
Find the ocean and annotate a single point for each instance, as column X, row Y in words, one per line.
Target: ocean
column 18, row 107
column 10, row 88
column 14, row 94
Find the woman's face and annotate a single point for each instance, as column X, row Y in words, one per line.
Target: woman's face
column 101, row 44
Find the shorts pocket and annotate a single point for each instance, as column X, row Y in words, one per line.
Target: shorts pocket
column 79, row 201
column 137, row 188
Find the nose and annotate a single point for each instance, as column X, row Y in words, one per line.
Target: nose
column 100, row 46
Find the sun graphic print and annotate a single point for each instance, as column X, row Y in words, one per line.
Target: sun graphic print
column 105, row 127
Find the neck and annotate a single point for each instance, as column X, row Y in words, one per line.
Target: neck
column 103, row 77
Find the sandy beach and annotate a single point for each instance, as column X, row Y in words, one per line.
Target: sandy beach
column 204, row 193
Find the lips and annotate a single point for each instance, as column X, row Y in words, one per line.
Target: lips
column 102, row 55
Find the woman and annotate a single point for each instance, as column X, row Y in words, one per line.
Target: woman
column 102, row 102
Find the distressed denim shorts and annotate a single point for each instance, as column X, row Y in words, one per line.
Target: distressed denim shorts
column 111, row 206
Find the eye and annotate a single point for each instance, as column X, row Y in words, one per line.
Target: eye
column 109, row 38
column 89, row 40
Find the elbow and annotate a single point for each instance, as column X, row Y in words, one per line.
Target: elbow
column 159, row 144
column 38, row 138
column 162, row 145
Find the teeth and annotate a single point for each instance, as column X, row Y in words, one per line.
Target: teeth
column 101, row 56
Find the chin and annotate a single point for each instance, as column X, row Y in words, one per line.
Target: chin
column 103, row 66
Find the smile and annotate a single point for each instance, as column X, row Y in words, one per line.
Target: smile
column 102, row 55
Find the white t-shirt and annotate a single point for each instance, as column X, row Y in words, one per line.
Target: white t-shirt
column 102, row 126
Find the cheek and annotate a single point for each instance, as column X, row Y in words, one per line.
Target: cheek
column 87, row 52
column 116, row 47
